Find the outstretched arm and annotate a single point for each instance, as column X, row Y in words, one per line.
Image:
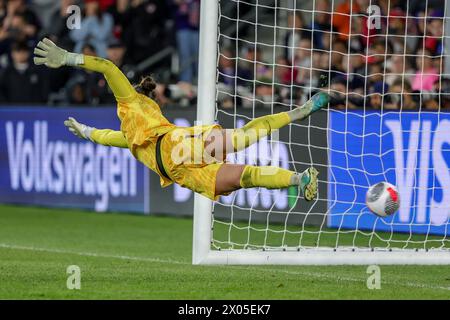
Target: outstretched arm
column 49, row 54
column 104, row 137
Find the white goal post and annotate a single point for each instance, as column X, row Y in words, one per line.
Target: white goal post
column 208, row 250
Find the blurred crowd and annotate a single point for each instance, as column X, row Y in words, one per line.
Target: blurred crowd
column 398, row 64
column 128, row 32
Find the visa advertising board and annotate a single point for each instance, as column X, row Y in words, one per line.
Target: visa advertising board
column 409, row 150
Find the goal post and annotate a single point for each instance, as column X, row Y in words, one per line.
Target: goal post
column 206, row 102
column 278, row 227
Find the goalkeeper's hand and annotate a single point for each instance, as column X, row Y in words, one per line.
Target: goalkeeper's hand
column 80, row 130
column 52, row 56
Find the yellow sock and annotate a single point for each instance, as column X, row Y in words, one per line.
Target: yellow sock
column 267, row 177
column 258, row 128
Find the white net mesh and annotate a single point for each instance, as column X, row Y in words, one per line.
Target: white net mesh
column 386, row 64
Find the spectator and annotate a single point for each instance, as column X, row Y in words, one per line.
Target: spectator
column 285, row 76
column 320, row 26
column 420, row 30
column 264, row 93
column 3, row 12
column 444, row 91
column 400, row 96
column 16, row 29
column 296, row 31
column 144, row 28
column 44, row 9
column 321, row 63
column 416, row 6
column 338, row 87
column 106, row 4
column 377, row 52
column 336, row 59
column 429, row 101
column 397, row 30
column 376, row 98
column 284, row 72
column 86, row 87
column 343, row 13
column 187, row 20
column 31, row 21
column 119, row 14
column 303, row 62
column 21, row 81
column 19, row 24
column 115, row 53
column 427, row 74
column 398, row 66
column 430, row 29
column 391, row 5
column 3, row 28
column 96, row 29
column 375, row 78
column 227, row 68
column 435, row 32
column 57, row 30
column 355, row 69
column 76, row 90
column 253, row 66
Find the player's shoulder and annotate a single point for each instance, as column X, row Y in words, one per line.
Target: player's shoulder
column 145, row 100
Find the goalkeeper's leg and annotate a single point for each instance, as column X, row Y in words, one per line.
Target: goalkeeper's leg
column 242, row 138
column 233, row 177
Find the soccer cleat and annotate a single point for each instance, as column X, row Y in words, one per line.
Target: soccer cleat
column 309, row 183
column 336, row 98
column 318, row 101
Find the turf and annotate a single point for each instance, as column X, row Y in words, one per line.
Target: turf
column 136, row 257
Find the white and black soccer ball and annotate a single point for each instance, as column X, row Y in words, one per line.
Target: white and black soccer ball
column 383, row 199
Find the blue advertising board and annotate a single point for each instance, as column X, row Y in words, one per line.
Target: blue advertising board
column 409, row 150
column 42, row 163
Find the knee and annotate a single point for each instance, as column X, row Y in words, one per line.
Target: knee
column 237, row 178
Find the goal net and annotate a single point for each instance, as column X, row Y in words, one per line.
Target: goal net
column 387, row 65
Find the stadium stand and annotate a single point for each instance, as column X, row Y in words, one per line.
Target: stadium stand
column 161, row 38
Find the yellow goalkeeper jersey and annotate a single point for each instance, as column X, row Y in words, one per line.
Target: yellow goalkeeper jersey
column 142, row 123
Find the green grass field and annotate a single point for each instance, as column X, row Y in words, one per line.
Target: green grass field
column 135, row 257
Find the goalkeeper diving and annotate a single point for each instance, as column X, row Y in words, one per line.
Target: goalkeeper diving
column 193, row 157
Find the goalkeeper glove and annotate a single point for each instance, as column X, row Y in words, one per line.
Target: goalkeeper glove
column 79, row 129
column 52, row 56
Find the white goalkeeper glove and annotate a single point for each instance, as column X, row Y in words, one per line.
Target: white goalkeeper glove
column 80, row 130
column 52, row 56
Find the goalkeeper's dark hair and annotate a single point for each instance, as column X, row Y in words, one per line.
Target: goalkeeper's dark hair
column 147, row 87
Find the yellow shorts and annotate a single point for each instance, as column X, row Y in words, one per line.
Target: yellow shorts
column 186, row 163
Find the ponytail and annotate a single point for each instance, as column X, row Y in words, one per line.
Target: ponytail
column 147, row 87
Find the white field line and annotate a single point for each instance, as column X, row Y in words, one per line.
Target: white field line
column 91, row 254
column 171, row 261
column 361, row 280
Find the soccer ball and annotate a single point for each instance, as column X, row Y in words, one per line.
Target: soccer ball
column 383, row 199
